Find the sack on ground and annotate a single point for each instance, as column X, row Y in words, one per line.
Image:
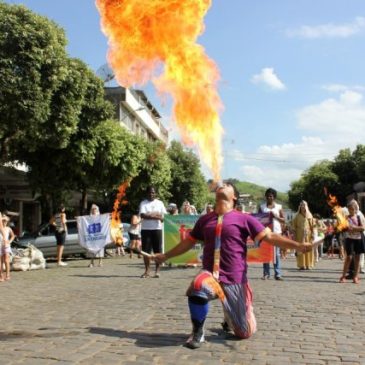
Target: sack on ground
column 30, row 258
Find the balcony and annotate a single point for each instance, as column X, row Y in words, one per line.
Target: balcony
column 135, row 111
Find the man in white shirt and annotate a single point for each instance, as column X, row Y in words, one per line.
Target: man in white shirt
column 152, row 213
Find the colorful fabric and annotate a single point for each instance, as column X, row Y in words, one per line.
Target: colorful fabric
column 217, row 247
column 236, row 228
column 236, row 301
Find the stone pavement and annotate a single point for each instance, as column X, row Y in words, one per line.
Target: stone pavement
column 108, row 315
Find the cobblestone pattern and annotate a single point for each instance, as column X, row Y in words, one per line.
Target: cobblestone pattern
column 109, row 315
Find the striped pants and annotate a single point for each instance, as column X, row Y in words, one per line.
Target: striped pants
column 236, row 301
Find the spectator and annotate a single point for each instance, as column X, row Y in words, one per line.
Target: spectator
column 319, row 230
column 152, row 213
column 303, row 232
column 172, row 209
column 5, row 247
column 278, row 219
column 209, row 208
column 94, row 211
column 353, row 241
column 134, row 233
column 188, row 209
column 59, row 221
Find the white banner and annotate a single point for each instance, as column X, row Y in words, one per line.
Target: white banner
column 94, row 231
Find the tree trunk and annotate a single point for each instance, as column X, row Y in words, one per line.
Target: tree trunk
column 84, row 202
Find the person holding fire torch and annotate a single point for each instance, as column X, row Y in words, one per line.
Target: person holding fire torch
column 224, row 275
column 354, row 245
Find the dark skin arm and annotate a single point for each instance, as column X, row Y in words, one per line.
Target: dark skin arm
column 152, row 216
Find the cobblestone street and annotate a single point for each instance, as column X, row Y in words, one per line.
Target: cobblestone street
column 109, row 315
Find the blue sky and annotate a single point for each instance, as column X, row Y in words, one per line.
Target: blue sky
column 292, row 78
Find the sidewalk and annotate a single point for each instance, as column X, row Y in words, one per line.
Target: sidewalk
column 109, row 315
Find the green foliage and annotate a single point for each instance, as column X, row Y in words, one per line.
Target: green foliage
column 187, row 180
column 156, row 171
column 32, row 67
column 311, row 188
column 119, row 157
column 337, row 176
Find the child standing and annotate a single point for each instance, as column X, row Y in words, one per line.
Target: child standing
column 134, row 234
column 5, row 248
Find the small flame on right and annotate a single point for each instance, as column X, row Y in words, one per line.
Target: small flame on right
column 342, row 222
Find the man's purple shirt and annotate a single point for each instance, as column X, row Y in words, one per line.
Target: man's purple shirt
column 235, row 230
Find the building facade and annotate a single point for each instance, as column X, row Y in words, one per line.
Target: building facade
column 18, row 200
column 135, row 112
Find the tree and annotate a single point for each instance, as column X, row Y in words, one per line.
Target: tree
column 80, row 109
column 156, row 171
column 344, row 166
column 187, row 180
column 119, row 157
column 32, row 67
column 310, row 187
column 359, row 159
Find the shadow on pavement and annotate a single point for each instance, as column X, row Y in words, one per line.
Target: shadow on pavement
column 102, row 276
column 153, row 340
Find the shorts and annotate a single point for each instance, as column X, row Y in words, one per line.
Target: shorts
column 152, row 240
column 60, row 238
column 354, row 247
column 134, row 237
column 5, row 250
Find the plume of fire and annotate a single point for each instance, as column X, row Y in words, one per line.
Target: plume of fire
column 115, row 230
column 342, row 222
column 145, row 35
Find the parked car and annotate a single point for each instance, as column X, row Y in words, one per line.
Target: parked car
column 44, row 239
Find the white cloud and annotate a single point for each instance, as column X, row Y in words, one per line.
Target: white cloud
column 342, row 118
column 268, row 77
column 329, row 30
column 269, row 176
column 339, row 88
column 330, row 125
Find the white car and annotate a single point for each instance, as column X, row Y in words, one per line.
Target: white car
column 44, row 239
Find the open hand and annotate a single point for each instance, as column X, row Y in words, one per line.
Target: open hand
column 306, row 247
column 159, row 258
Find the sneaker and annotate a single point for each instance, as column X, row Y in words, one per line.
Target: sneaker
column 91, row 265
column 61, row 263
column 279, row 278
column 265, row 277
column 195, row 340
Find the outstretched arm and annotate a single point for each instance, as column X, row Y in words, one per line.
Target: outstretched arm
column 284, row 242
column 182, row 247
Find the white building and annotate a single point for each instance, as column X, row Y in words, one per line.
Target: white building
column 135, row 112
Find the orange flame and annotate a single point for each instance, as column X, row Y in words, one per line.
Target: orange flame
column 342, row 223
column 115, row 230
column 143, row 36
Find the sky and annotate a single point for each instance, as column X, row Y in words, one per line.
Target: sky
column 292, row 78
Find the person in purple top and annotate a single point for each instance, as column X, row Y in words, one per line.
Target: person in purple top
column 224, row 274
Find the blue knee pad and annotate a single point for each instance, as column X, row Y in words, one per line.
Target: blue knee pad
column 198, row 309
